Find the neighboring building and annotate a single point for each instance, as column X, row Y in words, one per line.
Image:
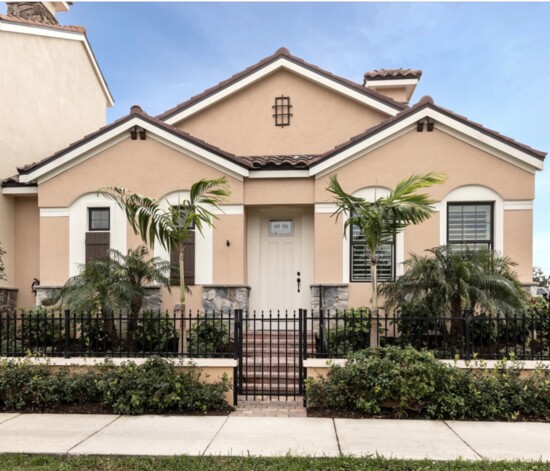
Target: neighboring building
column 51, row 93
column 278, row 130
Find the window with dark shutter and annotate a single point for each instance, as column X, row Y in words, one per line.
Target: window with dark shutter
column 360, row 265
column 188, row 262
column 98, row 237
column 97, row 245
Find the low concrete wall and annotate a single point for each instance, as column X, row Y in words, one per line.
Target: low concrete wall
column 211, row 369
column 318, row 368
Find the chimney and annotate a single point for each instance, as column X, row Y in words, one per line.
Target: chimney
column 42, row 12
column 398, row 84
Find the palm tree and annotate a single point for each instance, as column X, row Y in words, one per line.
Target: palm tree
column 140, row 270
column 116, row 282
column 172, row 226
column 100, row 289
column 381, row 220
column 447, row 282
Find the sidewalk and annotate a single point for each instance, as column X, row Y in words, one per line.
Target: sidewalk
column 272, row 436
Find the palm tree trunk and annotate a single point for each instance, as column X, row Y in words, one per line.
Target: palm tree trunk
column 182, row 296
column 374, row 302
column 135, row 306
column 457, row 329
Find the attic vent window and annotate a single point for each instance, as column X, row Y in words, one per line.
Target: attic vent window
column 282, row 113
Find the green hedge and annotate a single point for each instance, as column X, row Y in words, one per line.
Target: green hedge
column 155, row 386
column 404, row 381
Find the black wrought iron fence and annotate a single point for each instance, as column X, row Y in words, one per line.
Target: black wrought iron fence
column 67, row 334
column 526, row 335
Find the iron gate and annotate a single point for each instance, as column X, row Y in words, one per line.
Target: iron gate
column 271, row 347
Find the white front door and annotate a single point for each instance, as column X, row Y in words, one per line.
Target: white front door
column 283, row 265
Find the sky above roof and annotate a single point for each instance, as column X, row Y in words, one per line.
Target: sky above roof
column 487, row 61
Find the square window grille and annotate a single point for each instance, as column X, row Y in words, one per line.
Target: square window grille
column 282, row 109
column 99, row 219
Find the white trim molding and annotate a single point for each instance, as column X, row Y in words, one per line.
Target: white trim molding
column 78, row 226
column 445, row 124
column 204, row 258
column 279, row 173
column 286, row 64
column 325, row 208
column 20, row 190
column 37, row 30
column 54, row 212
column 118, row 134
column 228, row 209
column 475, row 193
column 370, row 194
column 518, row 205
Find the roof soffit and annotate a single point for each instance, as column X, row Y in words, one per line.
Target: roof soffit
column 460, row 128
column 113, row 134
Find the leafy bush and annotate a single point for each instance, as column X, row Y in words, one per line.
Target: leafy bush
column 211, row 336
column 404, row 381
column 40, row 330
column 25, row 385
column 349, row 331
column 155, row 386
column 155, row 332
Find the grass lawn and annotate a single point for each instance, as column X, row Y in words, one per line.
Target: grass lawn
column 106, row 463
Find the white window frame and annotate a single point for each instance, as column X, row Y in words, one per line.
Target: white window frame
column 78, row 226
column 204, row 266
column 371, row 194
column 473, row 194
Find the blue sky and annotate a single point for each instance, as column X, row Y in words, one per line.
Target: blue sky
column 487, row 61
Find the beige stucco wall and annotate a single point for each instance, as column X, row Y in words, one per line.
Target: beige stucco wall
column 243, row 123
column 518, row 241
column 54, row 251
column 50, row 97
column 278, row 191
column 229, row 261
column 397, row 93
column 328, row 248
column 27, row 241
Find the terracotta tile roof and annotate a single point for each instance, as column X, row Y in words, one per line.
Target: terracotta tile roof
column 281, row 52
column 16, row 19
column 391, row 74
column 424, row 102
column 135, row 111
column 281, row 161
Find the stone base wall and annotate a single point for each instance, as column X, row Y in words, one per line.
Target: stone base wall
column 334, row 296
column 44, row 293
column 152, row 300
column 8, row 300
column 225, row 297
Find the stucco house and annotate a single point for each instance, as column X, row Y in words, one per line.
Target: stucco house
column 277, row 130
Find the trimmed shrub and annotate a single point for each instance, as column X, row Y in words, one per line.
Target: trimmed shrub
column 156, row 386
column 405, row 381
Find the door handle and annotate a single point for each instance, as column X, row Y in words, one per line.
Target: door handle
column 298, row 281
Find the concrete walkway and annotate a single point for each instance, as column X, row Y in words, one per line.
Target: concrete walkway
column 272, row 436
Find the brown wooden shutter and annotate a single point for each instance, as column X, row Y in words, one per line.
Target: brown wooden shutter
column 189, row 262
column 97, row 245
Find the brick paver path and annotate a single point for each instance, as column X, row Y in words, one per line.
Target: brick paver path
column 271, row 408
